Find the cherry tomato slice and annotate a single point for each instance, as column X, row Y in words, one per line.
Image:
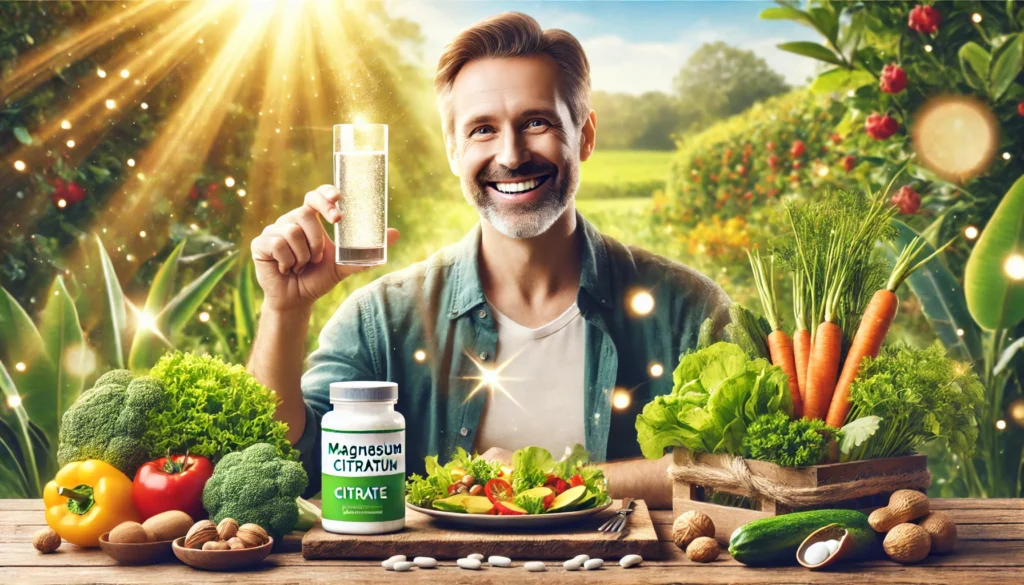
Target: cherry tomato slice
column 576, row 480
column 498, row 490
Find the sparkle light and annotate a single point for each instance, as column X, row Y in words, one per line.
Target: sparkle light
column 229, row 182
column 960, row 332
column 101, row 73
column 131, row 162
column 71, row 143
column 823, row 171
column 142, row 234
column 79, row 360
column 420, row 355
column 204, row 317
column 1006, row 156
column 955, row 137
column 14, row 401
column 621, row 399
column 241, row 192
column 62, row 203
column 20, row 366
column 490, row 378
column 19, row 165
column 130, row 258
column 657, row 370
column 642, row 302
column 146, row 320
column 1014, row 266
column 111, row 104
column 141, row 176
column 976, row 17
column 1001, row 425
column 124, row 73
column 928, row 48
column 970, row 232
column 65, row 125
column 144, row 106
column 1017, row 411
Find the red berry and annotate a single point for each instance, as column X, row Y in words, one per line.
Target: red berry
column 836, row 138
column 1020, row 108
column 881, row 127
column 773, row 162
column 893, row 80
column 770, row 146
column 748, row 195
column 798, row 149
column 75, row 192
column 193, row 193
column 849, row 162
column 907, row 200
column 797, row 165
column 924, row 19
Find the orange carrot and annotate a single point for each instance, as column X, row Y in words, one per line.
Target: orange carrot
column 781, row 349
column 867, row 342
column 874, row 325
column 802, row 353
column 823, row 369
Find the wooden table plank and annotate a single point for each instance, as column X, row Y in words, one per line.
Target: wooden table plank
column 991, row 550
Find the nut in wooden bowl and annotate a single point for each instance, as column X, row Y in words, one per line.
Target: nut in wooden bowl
column 221, row 559
column 227, row 528
column 201, row 532
column 252, row 535
column 136, row 553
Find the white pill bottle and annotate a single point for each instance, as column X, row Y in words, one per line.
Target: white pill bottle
column 363, row 456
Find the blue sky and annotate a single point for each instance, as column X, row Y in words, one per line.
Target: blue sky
column 632, row 46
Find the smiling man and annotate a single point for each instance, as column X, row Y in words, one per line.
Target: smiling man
column 535, row 329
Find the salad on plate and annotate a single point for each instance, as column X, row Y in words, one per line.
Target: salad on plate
column 534, row 484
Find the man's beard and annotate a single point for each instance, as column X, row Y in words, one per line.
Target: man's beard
column 523, row 220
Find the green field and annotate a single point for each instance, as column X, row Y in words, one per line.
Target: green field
column 624, row 173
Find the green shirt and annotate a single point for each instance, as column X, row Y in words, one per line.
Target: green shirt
column 437, row 307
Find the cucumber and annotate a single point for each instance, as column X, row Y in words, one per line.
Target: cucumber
column 774, row 540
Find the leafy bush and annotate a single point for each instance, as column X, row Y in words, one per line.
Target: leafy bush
column 214, row 409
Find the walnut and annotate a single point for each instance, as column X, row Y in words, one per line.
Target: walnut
column 703, row 549
column 691, row 525
column 46, row 541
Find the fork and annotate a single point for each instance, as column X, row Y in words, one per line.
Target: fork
column 617, row 522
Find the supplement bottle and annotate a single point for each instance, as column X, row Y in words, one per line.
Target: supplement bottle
column 363, row 442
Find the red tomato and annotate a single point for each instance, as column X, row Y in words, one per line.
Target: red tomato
column 548, row 500
column 498, row 490
column 172, row 483
column 576, row 480
column 556, row 484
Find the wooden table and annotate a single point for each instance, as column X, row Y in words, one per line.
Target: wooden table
column 991, row 550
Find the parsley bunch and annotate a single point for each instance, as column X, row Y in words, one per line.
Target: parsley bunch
column 919, row 395
column 789, row 443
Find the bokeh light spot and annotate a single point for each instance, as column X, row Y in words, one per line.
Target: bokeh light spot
column 1014, row 266
column 955, row 137
column 621, row 399
column 642, row 302
column 657, row 370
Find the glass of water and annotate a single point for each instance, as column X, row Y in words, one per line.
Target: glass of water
column 361, row 174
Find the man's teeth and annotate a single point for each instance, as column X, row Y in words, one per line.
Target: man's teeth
column 518, row 187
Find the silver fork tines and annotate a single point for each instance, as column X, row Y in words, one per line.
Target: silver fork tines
column 617, row 522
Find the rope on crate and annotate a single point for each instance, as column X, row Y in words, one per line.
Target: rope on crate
column 737, row 478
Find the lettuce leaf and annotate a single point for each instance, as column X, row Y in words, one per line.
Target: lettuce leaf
column 530, row 468
column 718, row 391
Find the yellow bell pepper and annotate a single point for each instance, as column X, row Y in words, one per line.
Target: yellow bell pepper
column 86, row 499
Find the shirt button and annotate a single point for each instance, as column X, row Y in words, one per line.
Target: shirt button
column 463, row 431
column 485, row 356
column 482, row 314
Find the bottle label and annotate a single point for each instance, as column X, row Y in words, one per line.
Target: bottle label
column 363, row 475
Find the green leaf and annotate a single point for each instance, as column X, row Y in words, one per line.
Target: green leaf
column 994, row 300
column 974, row 62
column 163, row 283
column 245, row 306
column 22, row 135
column 65, row 345
column 941, row 297
column 1006, row 65
column 148, row 346
column 827, row 23
column 17, row 420
column 812, row 50
column 787, row 13
column 857, row 431
column 114, row 317
column 20, row 342
column 1007, row 356
column 841, row 80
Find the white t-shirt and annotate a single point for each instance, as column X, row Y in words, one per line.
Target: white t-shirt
column 542, row 404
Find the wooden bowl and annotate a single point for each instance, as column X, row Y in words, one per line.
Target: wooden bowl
column 221, row 560
column 141, row 553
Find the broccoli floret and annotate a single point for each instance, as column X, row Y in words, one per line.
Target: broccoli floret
column 256, row 485
column 108, row 422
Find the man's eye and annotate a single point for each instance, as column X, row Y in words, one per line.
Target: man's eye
column 537, row 123
column 481, row 130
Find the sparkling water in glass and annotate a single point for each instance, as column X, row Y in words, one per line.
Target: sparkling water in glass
column 361, row 174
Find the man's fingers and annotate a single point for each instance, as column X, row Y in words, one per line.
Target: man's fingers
column 295, row 236
column 272, row 248
column 330, row 193
column 393, row 236
column 309, row 221
column 316, row 201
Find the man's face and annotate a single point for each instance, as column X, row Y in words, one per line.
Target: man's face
column 514, row 145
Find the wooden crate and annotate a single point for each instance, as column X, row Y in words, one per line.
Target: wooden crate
column 686, row 497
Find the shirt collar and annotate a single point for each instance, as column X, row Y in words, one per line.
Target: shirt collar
column 468, row 293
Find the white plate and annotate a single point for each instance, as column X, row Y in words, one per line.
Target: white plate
column 496, row 522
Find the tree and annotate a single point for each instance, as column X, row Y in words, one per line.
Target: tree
column 720, row 81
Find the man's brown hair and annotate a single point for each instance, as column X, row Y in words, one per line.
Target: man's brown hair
column 514, row 34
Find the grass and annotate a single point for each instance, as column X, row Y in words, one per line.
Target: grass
column 624, row 173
